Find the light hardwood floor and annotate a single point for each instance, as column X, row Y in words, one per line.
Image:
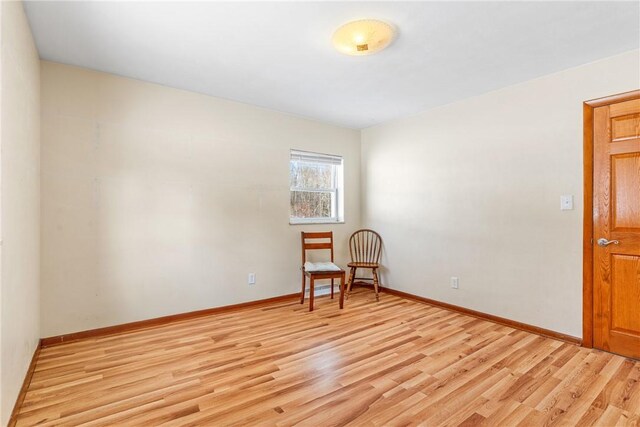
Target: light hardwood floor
column 396, row 362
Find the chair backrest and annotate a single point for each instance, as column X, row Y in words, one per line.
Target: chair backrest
column 310, row 242
column 365, row 246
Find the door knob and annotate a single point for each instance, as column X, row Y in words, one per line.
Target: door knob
column 604, row 242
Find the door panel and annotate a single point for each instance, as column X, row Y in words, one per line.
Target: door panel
column 624, row 316
column 625, row 127
column 616, row 210
column 626, row 204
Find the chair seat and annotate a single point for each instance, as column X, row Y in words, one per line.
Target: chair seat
column 320, row 267
column 363, row 265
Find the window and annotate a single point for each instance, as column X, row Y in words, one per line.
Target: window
column 316, row 185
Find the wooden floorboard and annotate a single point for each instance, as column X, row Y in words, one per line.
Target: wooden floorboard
column 393, row 362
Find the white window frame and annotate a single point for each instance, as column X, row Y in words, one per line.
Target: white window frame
column 336, row 190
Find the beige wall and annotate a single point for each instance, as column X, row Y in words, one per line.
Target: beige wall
column 20, row 199
column 158, row 201
column 472, row 189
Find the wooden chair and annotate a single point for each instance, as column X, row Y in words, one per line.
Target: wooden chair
column 319, row 271
column 365, row 247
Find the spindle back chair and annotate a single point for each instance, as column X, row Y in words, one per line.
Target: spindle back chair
column 365, row 247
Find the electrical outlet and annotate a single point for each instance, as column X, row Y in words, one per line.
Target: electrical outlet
column 454, row 283
column 252, row 278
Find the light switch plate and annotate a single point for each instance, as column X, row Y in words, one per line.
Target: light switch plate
column 566, row 202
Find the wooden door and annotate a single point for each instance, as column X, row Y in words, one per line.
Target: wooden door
column 616, row 232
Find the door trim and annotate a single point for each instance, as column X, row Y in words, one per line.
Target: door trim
column 587, row 233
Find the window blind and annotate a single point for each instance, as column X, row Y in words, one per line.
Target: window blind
column 305, row 156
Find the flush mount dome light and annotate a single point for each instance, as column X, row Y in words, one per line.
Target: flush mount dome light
column 363, row 37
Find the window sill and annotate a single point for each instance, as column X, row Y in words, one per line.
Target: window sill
column 315, row 221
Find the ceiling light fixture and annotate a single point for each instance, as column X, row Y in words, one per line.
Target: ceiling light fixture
column 363, row 37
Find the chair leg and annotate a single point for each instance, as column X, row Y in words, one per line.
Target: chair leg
column 342, row 290
column 311, row 292
column 352, row 274
column 331, row 288
column 302, row 294
column 375, row 283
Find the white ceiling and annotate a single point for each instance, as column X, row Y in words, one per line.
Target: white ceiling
column 279, row 55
